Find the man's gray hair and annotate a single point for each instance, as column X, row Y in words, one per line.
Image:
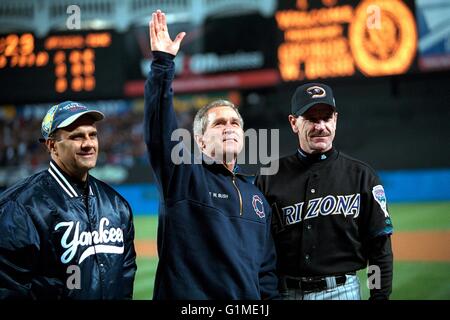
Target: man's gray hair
column 201, row 119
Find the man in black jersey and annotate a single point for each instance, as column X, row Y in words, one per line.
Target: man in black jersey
column 330, row 211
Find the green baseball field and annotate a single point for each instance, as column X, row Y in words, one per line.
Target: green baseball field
column 421, row 245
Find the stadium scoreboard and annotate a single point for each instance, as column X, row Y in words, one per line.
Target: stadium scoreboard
column 310, row 40
column 84, row 65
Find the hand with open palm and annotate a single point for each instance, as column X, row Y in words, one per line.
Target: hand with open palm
column 159, row 35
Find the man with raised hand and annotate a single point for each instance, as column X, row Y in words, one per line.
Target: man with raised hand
column 214, row 239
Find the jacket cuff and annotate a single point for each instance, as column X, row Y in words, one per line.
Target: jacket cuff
column 162, row 58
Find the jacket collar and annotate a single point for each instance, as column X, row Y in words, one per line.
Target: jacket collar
column 310, row 159
column 68, row 184
column 216, row 166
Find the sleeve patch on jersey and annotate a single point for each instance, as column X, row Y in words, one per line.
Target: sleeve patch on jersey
column 380, row 197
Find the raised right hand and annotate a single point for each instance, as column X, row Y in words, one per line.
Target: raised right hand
column 159, row 35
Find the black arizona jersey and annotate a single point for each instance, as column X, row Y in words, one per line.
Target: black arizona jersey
column 327, row 209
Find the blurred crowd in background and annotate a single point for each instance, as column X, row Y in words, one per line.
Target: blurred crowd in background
column 121, row 140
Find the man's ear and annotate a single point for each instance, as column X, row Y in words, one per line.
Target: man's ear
column 293, row 122
column 51, row 146
column 200, row 143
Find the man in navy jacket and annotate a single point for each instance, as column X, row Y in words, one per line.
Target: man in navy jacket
column 63, row 233
column 214, row 239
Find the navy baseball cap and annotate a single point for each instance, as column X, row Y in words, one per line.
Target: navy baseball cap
column 63, row 115
column 310, row 94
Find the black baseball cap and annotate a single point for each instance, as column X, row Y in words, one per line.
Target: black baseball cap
column 63, row 115
column 310, row 94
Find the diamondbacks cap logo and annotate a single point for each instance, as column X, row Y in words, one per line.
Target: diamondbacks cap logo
column 258, row 206
column 316, row 92
column 380, row 197
column 48, row 120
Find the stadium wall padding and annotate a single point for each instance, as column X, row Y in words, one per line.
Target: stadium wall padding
column 400, row 186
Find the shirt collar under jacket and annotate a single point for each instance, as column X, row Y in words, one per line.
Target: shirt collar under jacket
column 316, row 157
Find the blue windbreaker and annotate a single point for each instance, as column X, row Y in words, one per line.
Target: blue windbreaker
column 214, row 239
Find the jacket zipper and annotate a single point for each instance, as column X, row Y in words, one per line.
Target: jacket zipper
column 239, row 193
column 86, row 202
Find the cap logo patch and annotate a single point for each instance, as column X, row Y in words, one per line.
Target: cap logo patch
column 48, row 120
column 316, row 92
column 74, row 107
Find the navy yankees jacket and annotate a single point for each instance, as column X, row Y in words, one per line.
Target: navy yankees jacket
column 214, row 239
column 62, row 241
